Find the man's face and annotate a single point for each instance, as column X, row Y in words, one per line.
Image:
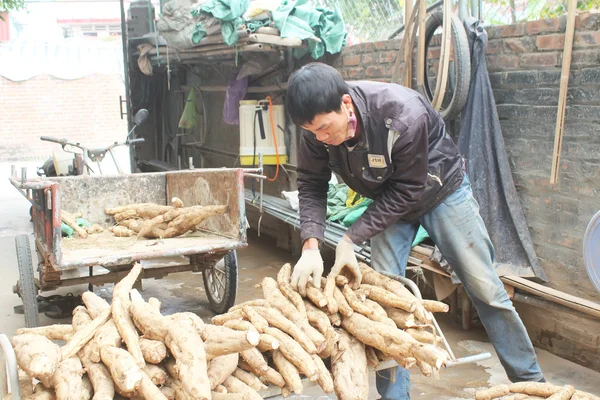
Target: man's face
column 330, row 128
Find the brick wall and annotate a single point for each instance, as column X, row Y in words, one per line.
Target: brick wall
column 524, row 62
column 84, row 110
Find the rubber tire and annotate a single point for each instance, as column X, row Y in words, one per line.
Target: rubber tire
column 231, row 284
column 27, row 281
column 462, row 62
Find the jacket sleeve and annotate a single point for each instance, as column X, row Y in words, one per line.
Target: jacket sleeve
column 405, row 187
column 313, row 182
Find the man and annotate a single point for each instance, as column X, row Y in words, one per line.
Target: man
column 388, row 144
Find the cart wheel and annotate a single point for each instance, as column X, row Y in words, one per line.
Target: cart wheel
column 27, row 288
column 220, row 283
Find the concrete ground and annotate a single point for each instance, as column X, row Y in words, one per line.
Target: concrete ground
column 185, row 291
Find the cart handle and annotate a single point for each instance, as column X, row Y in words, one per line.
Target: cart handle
column 453, row 360
column 8, row 370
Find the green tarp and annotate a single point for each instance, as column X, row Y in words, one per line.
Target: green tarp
column 301, row 19
column 339, row 209
column 323, row 28
column 228, row 12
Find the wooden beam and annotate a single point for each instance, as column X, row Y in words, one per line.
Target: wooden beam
column 421, row 56
column 585, row 306
column 446, row 49
column 564, row 86
column 510, row 290
column 408, row 23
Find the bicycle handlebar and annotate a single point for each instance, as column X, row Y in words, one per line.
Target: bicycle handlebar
column 52, row 139
column 134, row 141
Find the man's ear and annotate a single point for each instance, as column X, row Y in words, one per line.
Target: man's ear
column 346, row 100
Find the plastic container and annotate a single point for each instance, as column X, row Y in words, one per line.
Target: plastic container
column 63, row 163
column 250, row 129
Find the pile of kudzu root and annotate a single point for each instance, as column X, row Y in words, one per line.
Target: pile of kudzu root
column 331, row 336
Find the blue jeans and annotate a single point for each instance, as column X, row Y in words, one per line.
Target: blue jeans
column 458, row 230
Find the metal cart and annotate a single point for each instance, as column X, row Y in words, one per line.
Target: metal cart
column 103, row 258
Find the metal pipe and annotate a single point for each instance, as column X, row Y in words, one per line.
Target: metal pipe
column 8, row 368
column 439, row 331
column 463, row 10
column 119, row 170
column 124, row 39
column 262, row 181
column 254, row 176
column 474, row 5
column 468, row 359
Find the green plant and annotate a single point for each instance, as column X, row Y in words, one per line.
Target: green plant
column 7, row 5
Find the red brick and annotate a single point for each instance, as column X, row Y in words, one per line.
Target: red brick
column 506, row 31
column 557, row 42
column 550, row 42
column 351, row 60
column 364, row 47
column 502, row 62
column 374, row 71
column 369, row 58
column 381, row 45
column 387, row 57
column 393, row 44
column 353, row 73
column 586, row 39
column 588, row 20
column 542, row 26
column 433, row 53
column 519, row 45
column 494, row 46
column 539, row 60
column 586, row 57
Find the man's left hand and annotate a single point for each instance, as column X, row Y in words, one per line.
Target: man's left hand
column 345, row 257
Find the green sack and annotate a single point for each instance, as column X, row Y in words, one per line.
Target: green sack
column 66, row 230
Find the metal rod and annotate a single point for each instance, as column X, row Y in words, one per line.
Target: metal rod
column 124, row 37
column 10, row 364
column 251, row 89
column 119, row 170
column 23, row 175
column 463, row 10
column 468, row 359
column 254, row 176
column 191, row 162
column 439, row 332
column 262, row 181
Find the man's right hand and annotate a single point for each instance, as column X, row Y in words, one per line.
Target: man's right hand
column 309, row 264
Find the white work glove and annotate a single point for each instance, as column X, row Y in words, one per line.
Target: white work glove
column 310, row 263
column 345, row 257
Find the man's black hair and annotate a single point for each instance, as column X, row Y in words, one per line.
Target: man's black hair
column 315, row 88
